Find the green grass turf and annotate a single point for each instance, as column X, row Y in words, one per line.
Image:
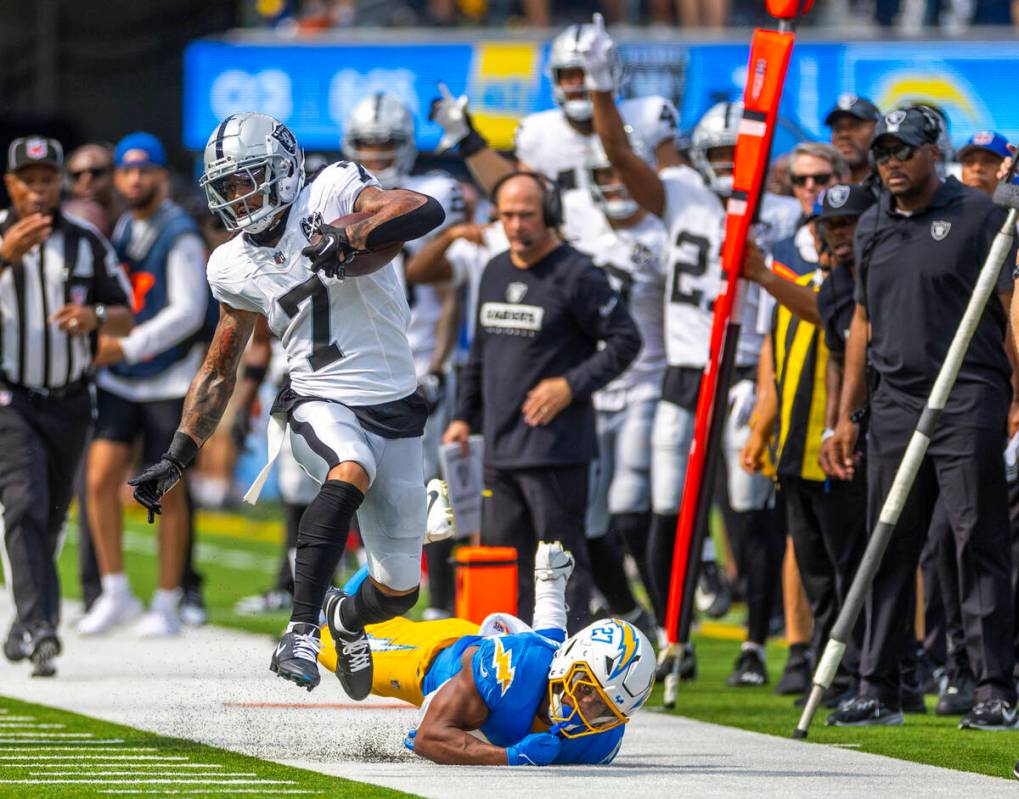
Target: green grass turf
column 923, row 738
column 308, row 782
column 238, row 557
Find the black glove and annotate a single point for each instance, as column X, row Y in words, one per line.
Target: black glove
column 155, row 481
column 331, row 253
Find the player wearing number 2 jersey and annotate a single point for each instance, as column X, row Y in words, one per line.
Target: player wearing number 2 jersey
column 354, row 417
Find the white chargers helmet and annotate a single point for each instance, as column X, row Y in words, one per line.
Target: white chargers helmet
column 599, row 678
column 719, row 127
column 613, row 198
column 381, row 119
column 260, row 155
column 564, row 54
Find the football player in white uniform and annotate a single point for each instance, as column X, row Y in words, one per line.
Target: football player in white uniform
column 354, row 414
column 630, row 245
column 695, row 218
column 555, row 142
column 379, row 134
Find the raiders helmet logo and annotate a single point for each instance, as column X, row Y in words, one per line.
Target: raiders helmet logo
column 847, row 101
column 515, row 292
column 939, row 229
column 36, row 148
column 894, row 119
column 836, row 196
column 282, row 134
column 310, row 225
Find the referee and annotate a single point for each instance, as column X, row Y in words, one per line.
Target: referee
column 535, row 360
column 918, row 254
column 60, row 283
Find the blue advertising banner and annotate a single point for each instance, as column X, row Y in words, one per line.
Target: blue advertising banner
column 313, row 86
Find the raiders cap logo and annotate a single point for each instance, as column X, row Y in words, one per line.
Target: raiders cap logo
column 515, row 292
column 939, row 229
column 36, row 148
column 847, row 101
column 893, row 119
column 983, row 137
column 836, row 196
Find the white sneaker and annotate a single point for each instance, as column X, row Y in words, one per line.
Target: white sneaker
column 109, row 611
column 158, row 623
column 440, row 523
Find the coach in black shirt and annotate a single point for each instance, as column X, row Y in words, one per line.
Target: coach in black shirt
column 535, row 360
column 918, row 253
column 60, row 283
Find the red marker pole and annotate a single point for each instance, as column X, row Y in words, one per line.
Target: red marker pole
column 769, row 59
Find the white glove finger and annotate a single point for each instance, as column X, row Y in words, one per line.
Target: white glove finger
column 445, row 92
column 599, row 21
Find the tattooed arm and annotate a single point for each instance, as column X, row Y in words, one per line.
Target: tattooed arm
column 396, row 215
column 203, row 407
column 212, row 386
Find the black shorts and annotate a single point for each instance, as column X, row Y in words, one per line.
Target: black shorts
column 123, row 420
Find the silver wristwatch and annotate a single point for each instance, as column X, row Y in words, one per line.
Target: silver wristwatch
column 100, row 312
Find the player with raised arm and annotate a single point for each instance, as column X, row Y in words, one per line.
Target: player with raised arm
column 506, row 694
column 695, row 217
column 354, row 415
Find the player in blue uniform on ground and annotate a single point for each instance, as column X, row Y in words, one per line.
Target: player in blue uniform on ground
column 506, row 694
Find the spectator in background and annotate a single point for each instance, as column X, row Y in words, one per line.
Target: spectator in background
column 142, row 391
column 852, row 122
column 981, row 157
column 90, row 184
column 703, row 13
column 535, row 360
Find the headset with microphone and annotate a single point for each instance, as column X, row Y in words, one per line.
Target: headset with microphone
column 551, row 199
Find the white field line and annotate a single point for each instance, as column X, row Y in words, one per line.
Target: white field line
column 197, row 780
column 49, row 734
column 6, row 719
column 4, row 726
column 179, row 758
column 104, row 764
column 51, row 740
column 224, row 774
column 224, row 556
column 77, row 748
column 232, row 791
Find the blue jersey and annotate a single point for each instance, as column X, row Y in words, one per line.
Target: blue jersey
column 511, row 675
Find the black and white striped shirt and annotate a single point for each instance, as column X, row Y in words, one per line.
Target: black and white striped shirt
column 74, row 265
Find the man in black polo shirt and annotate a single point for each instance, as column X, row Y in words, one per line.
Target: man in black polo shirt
column 919, row 251
column 535, row 360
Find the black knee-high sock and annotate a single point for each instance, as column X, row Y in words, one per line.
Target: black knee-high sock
column 659, row 560
column 321, row 538
column 635, row 529
column 765, row 548
column 440, row 574
column 292, row 516
column 606, row 555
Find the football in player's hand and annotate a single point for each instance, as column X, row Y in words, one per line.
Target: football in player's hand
column 364, row 263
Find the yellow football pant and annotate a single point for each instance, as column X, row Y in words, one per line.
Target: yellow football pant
column 402, row 651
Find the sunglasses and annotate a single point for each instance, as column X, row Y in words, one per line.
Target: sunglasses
column 902, row 153
column 820, row 179
column 92, row 172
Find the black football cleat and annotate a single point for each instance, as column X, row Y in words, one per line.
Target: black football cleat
column 354, row 667
column 296, row 655
column 18, row 642
column 864, row 712
column 991, row 714
column 44, row 646
column 749, row 670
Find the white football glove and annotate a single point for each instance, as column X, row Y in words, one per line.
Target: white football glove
column 742, row 398
column 450, row 114
column 597, row 49
column 551, row 561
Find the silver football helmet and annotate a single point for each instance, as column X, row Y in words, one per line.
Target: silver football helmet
column 564, row 54
column 719, row 127
column 381, row 119
column 258, row 155
column 612, row 198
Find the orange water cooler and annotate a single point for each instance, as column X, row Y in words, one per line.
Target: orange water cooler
column 486, row 582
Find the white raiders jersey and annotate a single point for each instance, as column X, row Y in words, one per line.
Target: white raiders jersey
column 634, row 262
column 344, row 340
column 468, row 260
column 425, row 304
column 695, row 218
column 547, row 143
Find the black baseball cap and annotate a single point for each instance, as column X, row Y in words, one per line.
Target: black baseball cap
column 913, row 125
column 859, row 107
column 843, row 199
column 32, row 150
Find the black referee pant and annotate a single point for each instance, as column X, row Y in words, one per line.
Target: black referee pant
column 41, row 439
column 828, row 524
column 545, row 503
column 964, row 465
